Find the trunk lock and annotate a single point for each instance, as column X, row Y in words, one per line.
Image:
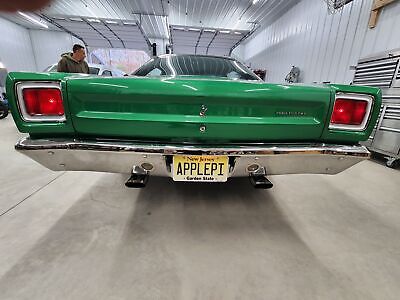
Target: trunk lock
column 203, row 110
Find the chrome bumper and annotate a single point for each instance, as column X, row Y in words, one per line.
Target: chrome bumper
column 122, row 157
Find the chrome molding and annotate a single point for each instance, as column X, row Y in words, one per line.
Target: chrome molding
column 358, row 97
column 171, row 149
column 120, row 157
column 19, row 88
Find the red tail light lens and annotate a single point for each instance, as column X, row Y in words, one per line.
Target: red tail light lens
column 43, row 101
column 349, row 112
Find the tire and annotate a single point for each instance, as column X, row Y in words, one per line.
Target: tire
column 3, row 111
column 393, row 163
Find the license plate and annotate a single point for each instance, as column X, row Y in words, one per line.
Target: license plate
column 200, row 168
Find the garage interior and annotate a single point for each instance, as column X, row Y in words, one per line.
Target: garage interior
column 84, row 235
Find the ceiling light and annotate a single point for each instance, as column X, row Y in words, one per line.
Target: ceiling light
column 111, row 22
column 237, row 32
column 224, row 31
column 93, row 20
column 255, row 1
column 129, row 23
column 209, row 30
column 37, row 22
column 194, row 29
column 179, row 28
column 76, row 19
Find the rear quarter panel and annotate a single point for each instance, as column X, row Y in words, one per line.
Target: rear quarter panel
column 48, row 129
column 67, row 129
column 348, row 136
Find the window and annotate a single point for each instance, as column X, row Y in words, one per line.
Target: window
column 106, row 73
column 155, row 72
column 94, row 71
column 52, row 68
column 196, row 65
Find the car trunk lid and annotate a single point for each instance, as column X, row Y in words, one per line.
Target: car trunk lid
column 191, row 109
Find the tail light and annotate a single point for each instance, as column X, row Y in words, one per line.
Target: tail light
column 40, row 101
column 351, row 111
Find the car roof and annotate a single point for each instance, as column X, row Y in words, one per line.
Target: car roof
column 197, row 55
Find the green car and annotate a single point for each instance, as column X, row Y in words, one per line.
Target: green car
column 192, row 118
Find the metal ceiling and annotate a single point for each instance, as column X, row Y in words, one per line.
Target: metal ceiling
column 157, row 16
column 103, row 33
column 18, row 19
column 154, row 14
column 192, row 40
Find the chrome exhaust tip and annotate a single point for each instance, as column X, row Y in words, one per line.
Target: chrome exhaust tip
column 260, row 182
column 138, row 179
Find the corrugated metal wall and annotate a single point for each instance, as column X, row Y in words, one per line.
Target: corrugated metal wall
column 49, row 45
column 16, row 48
column 322, row 45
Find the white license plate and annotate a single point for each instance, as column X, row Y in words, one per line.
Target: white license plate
column 204, row 168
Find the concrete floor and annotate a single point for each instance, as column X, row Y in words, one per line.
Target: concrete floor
column 85, row 236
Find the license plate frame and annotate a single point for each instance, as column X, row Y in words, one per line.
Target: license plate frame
column 200, row 168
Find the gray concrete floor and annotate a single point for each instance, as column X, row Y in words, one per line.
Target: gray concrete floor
column 85, row 236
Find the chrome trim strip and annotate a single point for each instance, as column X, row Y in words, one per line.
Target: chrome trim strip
column 120, row 157
column 19, row 88
column 359, row 97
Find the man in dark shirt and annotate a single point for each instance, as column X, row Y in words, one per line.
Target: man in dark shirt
column 74, row 62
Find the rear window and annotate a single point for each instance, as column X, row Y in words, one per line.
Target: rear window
column 192, row 65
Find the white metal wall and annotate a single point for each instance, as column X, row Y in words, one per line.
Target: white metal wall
column 31, row 50
column 322, row 45
column 16, row 48
column 49, row 45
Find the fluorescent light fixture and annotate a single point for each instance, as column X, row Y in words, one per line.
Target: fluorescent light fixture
column 237, row 32
column 255, row 1
column 111, row 22
column 209, row 30
column 93, row 20
column 179, row 28
column 76, row 19
column 37, row 22
column 224, row 31
column 59, row 18
column 194, row 29
column 129, row 23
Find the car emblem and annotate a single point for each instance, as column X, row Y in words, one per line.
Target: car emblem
column 203, row 128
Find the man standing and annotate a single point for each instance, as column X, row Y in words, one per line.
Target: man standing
column 74, row 62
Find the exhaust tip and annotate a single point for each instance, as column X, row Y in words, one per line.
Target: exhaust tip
column 261, row 182
column 137, row 181
column 253, row 168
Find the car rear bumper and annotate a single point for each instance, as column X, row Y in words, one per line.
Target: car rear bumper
column 123, row 157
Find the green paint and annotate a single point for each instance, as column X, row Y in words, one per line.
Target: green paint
column 168, row 108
